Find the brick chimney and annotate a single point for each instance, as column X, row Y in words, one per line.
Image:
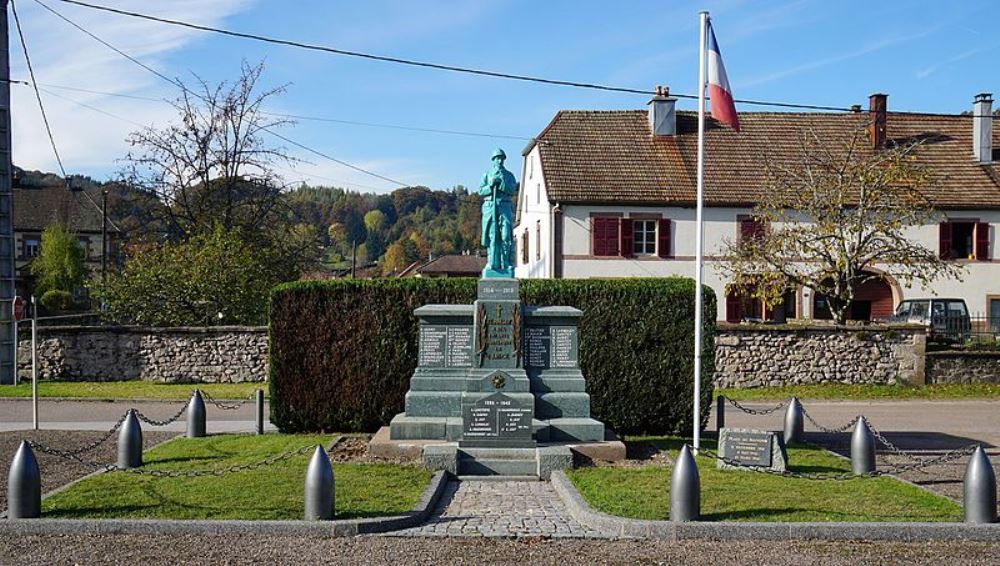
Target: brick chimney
column 662, row 113
column 982, row 127
column 877, row 113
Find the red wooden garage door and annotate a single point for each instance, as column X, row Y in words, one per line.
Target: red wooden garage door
column 879, row 294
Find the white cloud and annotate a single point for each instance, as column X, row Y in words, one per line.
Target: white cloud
column 62, row 55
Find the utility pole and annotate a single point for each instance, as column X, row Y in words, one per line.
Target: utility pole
column 354, row 257
column 7, row 345
column 104, row 235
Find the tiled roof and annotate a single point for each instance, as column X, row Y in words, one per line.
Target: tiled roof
column 455, row 265
column 610, row 156
column 37, row 207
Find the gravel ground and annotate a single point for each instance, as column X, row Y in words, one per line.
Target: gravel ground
column 153, row 550
column 58, row 471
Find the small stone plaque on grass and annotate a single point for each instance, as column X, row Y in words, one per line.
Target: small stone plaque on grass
column 742, row 448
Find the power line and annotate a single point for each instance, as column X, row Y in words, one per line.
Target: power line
column 398, row 127
column 93, row 108
column 38, row 94
column 334, row 159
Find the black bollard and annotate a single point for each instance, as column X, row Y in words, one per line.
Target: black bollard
column 260, row 410
column 685, row 488
column 24, row 485
column 980, row 499
column 130, row 442
column 862, row 448
column 794, row 424
column 319, row 487
column 196, row 416
column 720, row 412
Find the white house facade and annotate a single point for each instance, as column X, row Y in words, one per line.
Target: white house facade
column 604, row 195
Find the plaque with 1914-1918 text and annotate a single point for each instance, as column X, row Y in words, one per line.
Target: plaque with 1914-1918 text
column 551, row 347
column 448, row 346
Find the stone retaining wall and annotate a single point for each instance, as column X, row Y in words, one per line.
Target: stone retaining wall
column 774, row 355
column 963, row 367
column 122, row 353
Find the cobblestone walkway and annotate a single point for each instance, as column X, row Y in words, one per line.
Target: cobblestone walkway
column 501, row 509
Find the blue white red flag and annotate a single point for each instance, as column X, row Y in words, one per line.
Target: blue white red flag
column 719, row 92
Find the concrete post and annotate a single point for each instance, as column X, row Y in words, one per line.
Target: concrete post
column 130, row 442
column 685, row 488
column 980, row 499
column 794, row 422
column 196, row 416
column 720, row 412
column 24, row 485
column 319, row 487
column 259, row 398
column 862, row 448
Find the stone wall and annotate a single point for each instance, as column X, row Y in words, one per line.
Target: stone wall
column 963, row 367
column 774, row 355
column 121, row 353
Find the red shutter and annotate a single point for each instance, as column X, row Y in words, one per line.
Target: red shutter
column 604, row 232
column 734, row 305
column 627, row 236
column 663, row 238
column 982, row 241
column 944, row 240
column 597, row 235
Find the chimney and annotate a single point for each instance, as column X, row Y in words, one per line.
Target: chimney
column 877, row 113
column 982, row 128
column 662, row 114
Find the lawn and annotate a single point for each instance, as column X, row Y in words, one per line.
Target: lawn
column 131, row 390
column 270, row 492
column 644, row 492
column 835, row 391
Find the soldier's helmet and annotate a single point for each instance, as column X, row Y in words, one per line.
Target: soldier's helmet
column 498, row 153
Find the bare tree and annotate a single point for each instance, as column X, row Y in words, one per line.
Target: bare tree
column 214, row 166
column 834, row 220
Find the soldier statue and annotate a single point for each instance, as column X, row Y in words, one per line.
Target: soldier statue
column 498, row 188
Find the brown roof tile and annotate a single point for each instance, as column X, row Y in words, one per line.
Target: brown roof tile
column 610, row 157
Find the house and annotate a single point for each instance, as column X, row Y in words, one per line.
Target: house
column 449, row 265
column 38, row 206
column 612, row 194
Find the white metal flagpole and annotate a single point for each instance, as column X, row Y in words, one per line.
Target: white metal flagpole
column 699, row 232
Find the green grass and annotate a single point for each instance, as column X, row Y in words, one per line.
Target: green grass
column 838, row 391
column 644, row 493
column 130, row 390
column 270, row 492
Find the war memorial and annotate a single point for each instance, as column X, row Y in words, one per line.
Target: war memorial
column 498, row 382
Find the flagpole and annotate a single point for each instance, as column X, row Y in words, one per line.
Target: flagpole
column 699, row 233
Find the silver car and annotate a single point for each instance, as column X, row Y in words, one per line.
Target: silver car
column 944, row 318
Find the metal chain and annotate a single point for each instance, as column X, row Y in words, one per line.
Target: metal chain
column 72, row 453
column 844, row 428
column 750, row 411
column 153, row 422
column 236, row 468
column 225, row 407
column 917, row 462
column 844, row 476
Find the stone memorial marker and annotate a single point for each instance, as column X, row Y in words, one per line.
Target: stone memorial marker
column 498, row 421
column 746, row 448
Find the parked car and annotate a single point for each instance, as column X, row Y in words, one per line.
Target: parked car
column 945, row 318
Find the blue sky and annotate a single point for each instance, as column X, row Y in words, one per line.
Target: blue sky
column 928, row 55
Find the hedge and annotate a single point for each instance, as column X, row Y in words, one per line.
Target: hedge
column 342, row 352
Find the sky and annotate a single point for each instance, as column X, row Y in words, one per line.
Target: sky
column 927, row 55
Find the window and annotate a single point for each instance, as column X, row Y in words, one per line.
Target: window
column 538, row 239
column 31, row 246
column 644, row 237
column 524, row 247
column 85, row 246
column 538, row 193
column 965, row 240
column 604, row 235
column 995, row 316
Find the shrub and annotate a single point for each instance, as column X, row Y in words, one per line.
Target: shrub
column 57, row 301
column 342, row 352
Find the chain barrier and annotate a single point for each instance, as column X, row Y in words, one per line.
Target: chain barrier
column 917, row 463
column 225, row 406
column 843, row 428
column 750, row 411
column 153, row 422
column 235, row 468
column 842, row 476
column 72, row 454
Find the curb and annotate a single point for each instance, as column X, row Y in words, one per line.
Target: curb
column 784, row 531
column 336, row 528
column 122, row 400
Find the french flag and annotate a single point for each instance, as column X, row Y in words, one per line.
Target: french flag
column 720, row 95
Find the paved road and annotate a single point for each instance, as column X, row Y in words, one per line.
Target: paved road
column 15, row 414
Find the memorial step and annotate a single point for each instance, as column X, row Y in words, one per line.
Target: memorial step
column 499, row 478
column 497, row 462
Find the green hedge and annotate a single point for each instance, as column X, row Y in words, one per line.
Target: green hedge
column 342, row 352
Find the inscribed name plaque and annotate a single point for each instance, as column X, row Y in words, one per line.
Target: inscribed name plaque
column 748, row 448
column 445, row 346
column 497, row 419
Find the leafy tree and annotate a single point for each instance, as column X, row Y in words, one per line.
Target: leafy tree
column 374, row 221
column 394, row 260
column 60, row 262
column 190, row 283
column 834, row 220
